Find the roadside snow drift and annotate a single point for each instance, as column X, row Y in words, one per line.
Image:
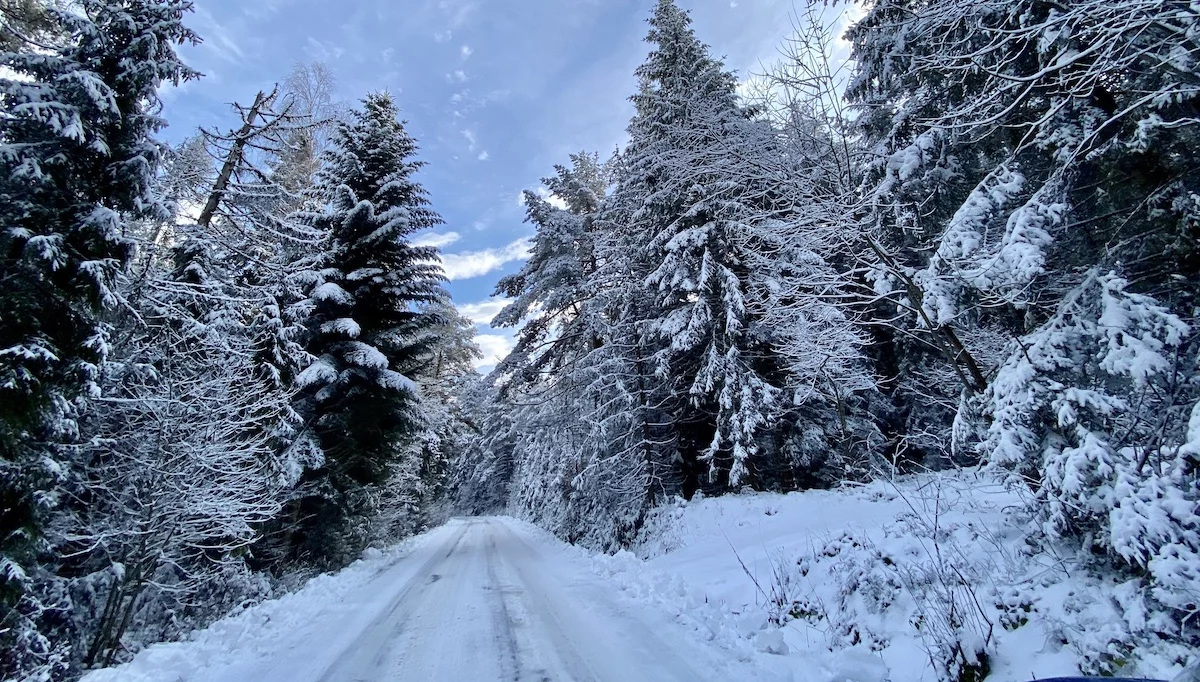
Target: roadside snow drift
column 913, row 580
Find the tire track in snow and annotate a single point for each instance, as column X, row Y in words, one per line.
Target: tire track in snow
column 560, row 657
column 419, row 580
column 570, row 637
column 502, row 621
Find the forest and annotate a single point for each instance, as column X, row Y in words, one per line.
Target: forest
column 231, row 364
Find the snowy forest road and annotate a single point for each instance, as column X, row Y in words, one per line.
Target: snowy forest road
column 492, row 601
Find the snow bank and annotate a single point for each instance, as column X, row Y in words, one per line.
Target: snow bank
column 907, row 581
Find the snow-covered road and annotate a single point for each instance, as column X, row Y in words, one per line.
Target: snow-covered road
column 486, row 604
column 477, row 600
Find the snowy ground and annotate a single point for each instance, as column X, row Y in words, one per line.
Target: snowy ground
column 861, row 580
column 477, row 599
column 850, row 585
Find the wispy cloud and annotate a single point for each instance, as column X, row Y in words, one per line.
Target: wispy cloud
column 478, row 263
column 483, row 311
column 438, row 239
column 466, row 52
column 458, row 10
column 469, row 135
column 321, row 52
column 220, row 40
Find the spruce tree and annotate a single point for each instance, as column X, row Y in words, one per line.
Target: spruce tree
column 693, row 216
column 76, row 159
column 371, row 325
column 586, row 448
column 1039, row 230
column 550, row 293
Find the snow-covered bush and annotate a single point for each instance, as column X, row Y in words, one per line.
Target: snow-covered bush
column 1089, row 413
column 930, row 575
column 927, row 581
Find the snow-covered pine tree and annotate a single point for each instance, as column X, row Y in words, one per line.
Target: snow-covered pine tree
column 686, row 206
column 1050, row 198
column 371, row 321
column 25, row 23
column 550, row 293
column 480, row 476
column 76, row 157
column 934, row 362
column 264, row 167
column 195, row 408
column 413, row 497
column 576, row 444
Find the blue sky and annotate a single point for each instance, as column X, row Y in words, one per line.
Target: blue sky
column 496, row 91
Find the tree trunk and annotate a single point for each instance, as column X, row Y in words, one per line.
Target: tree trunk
column 232, row 160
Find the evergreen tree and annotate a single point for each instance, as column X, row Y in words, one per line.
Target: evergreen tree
column 550, row 294
column 577, row 441
column 189, row 444
column 686, row 205
column 76, row 158
column 371, row 324
column 413, row 498
column 23, row 22
column 1037, row 222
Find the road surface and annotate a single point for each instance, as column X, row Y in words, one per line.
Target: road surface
column 476, row 600
column 492, row 601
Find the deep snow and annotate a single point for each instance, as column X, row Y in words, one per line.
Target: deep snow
column 868, row 585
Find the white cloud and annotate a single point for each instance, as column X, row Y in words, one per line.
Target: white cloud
column 466, row 51
column 443, row 36
column 470, row 136
column 483, row 311
column 478, row 263
column 438, row 239
column 321, row 52
column 495, row 347
column 483, row 155
column 220, row 39
column 387, row 55
column 553, row 200
column 458, row 76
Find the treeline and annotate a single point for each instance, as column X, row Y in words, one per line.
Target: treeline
column 976, row 243
column 223, row 366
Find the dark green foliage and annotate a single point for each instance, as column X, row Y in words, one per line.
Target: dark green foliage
column 76, row 159
column 370, row 324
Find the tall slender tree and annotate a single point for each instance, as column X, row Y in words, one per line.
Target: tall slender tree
column 686, row 205
column 371, row 323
